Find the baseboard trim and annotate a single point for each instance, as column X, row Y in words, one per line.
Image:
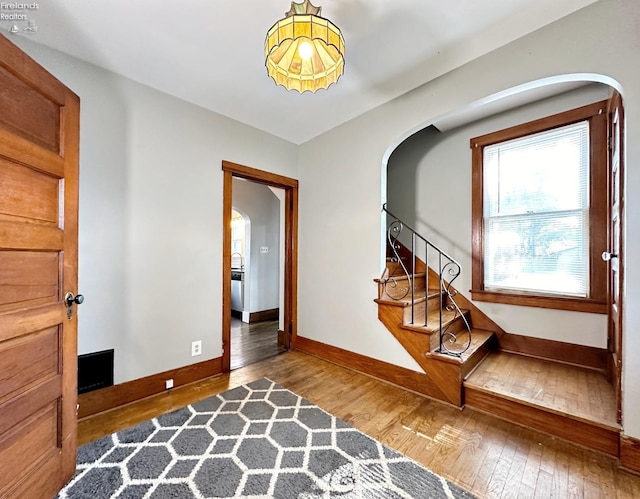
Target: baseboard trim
column 630, row 454
column 400, row 376
column 282, row 338
column 265, row 315
column 124, row 393
column 579, row 355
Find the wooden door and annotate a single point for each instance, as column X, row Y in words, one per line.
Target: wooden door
column 39, row 119
column 615, row 253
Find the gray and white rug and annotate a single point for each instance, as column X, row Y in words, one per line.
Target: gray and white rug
column 258, row 440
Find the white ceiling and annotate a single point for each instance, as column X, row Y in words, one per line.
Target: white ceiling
column 210, row 52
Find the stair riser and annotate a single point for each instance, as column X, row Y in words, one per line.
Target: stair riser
column 434, row 342
column 402, row 288
column 433, row 305
column 457, row 326
column 394, row 266
column 395, row 269
column 433, row 318
column 583, row 433
column 477, row 357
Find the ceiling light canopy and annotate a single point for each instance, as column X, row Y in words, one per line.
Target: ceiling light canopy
column 304, row 51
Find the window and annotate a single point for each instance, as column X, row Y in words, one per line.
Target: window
column 540, row 212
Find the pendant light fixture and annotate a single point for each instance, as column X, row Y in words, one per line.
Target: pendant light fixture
column 303, row 51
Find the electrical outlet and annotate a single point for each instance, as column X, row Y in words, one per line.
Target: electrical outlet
column 168, row 384
column 196, row 348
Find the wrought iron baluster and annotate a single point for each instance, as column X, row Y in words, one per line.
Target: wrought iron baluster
column 446, row 265
column 440, row 292
column 413, row 276
column 426, row 284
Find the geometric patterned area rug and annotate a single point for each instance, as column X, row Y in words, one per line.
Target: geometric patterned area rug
column 257, row 440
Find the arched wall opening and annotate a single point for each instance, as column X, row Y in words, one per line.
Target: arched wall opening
column 426, row 181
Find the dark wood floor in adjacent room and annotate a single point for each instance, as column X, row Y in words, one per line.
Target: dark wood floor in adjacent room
column 253, row 342
column 488, row 456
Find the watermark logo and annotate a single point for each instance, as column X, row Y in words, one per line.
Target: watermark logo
column 19, row 16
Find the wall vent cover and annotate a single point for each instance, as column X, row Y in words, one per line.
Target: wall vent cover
column 95, row 371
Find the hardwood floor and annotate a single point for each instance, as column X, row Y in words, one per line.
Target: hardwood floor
column 583, row 393
column 253, row 342
column 488, row 456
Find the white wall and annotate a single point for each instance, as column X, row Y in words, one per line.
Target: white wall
column 429, row 187
column 262, row 270
column 340, row 178
column 151, row 198
column 150, row 235
column 281, row 195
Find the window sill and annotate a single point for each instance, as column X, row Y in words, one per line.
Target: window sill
column 541, row 301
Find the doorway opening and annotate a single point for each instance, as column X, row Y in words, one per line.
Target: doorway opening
column 257, row 236
column 240, row 234
column 259, row 265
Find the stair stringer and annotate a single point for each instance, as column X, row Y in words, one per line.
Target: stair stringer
column 446, row 376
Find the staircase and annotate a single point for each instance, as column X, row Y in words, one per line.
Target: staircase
column 418, row 306
column 458, row 347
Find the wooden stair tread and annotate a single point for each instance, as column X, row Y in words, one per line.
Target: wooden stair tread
column 570, row 391
column 419, row 297
column 480, row 338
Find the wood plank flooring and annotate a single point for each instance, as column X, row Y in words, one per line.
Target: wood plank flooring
column 583, row 393
column 253, row 342
column 488, row 456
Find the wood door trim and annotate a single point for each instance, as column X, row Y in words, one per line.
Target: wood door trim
column 259, row 176
column 290, row 186
column 227, row 198
column 615, row 103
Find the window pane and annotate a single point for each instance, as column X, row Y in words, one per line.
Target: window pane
column 536, row 212
column 546, row 253
column 543, row 172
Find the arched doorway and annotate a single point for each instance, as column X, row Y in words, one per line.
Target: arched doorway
column 428, row 173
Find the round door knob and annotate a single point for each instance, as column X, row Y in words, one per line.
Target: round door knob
column 69, row 299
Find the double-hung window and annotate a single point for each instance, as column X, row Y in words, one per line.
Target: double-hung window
column 540, row 212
